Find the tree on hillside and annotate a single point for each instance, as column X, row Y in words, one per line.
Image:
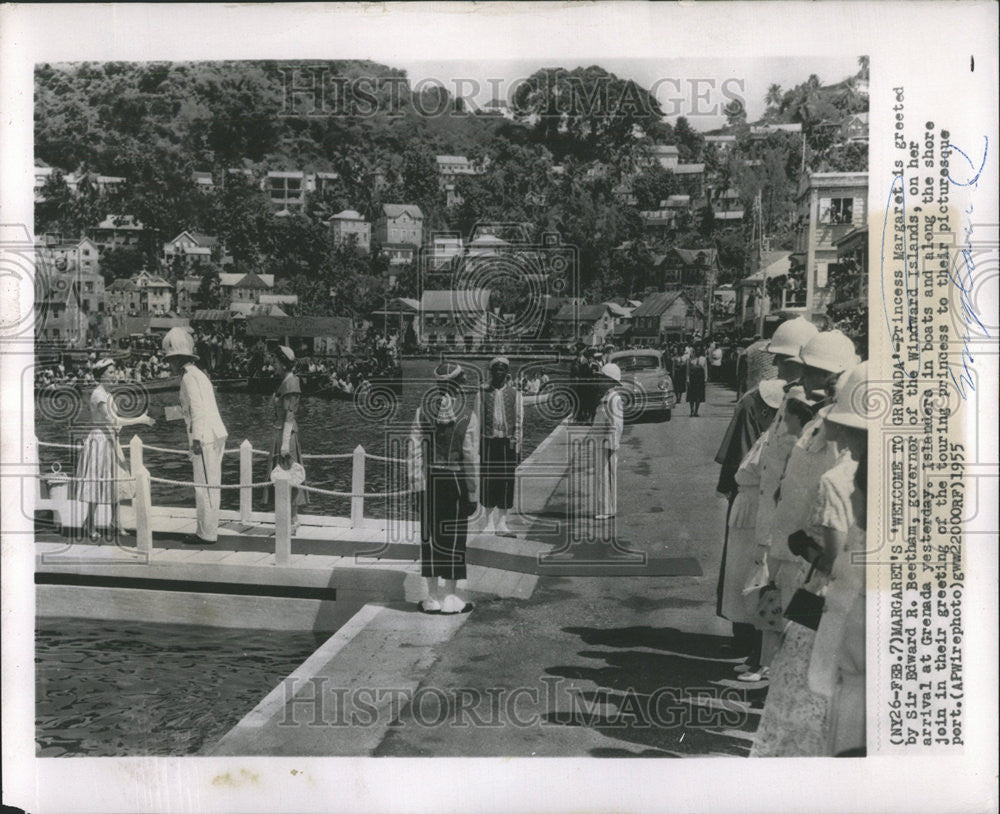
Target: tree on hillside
column 587, row 112
column 690, row 143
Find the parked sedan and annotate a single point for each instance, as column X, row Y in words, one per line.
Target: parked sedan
column 647, row 387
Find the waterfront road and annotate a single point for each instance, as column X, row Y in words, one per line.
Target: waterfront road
column 606, row 664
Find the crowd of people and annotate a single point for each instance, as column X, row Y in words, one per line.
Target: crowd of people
column 793, row 470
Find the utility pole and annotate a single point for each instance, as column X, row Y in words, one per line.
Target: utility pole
column 758, row 239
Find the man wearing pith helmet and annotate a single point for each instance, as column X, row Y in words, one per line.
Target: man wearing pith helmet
column 501, row 411
column 206, row 433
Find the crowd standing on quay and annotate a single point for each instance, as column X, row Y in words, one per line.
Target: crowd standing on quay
column 793, row 464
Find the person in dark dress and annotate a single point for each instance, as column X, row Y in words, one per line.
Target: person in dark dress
column 444, row 476
column 501, row 412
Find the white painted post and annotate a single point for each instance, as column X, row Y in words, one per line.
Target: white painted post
column 282, row 516
column 246, row 478
column 142, row 502
column 358, row 487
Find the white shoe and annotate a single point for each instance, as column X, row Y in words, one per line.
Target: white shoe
column 455, row 604
column 754, row 676
column 503, row 529
column 603, row 516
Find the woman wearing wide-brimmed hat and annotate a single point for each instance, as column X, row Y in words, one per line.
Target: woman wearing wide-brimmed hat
column 609, row 423
column 444, row 475
column 103, row 478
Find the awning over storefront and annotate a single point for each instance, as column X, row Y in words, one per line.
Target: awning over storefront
column 213, row 315
column 304, row 327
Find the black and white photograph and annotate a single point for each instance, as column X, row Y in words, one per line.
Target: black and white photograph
column 415, row 403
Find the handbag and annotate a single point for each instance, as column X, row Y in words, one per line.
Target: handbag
column 805, row 607
column 769, row 608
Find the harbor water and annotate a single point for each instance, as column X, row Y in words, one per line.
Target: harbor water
column 130, row 688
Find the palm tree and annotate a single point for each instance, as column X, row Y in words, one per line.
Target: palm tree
column 863, row 62
column 773, row 97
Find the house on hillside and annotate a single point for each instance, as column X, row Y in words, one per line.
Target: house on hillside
column 286, row 189
column 400, row 224
column 155, row 293
column 687, row 267
column 186, row 295
column 348, row 226
column 189, row 250
column 726, row 205
column 691, row 179
column 854, row 128
column 454, row 318
column 666, row 315
column 666, row 155
column 239, row 287
column 121, row 298
column 591, row 324
column 70, row 256
column 59, row 317
column 203, row 180
column 117, row 231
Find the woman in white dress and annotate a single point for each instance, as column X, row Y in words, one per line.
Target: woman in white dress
column 101, row 472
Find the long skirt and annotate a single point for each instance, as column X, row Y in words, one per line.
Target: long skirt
column 444, row 527
column 299, row 498
column 696, row 385
column 741, row 550
column 794, row 720
column 104, row 479
column 499, row 465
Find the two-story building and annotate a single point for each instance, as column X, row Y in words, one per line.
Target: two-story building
column 400, row 225
column 454, row 317
column 854, row 128
column 186, row 295
column 156, row 295
column 591, row 324
column 286, row 189
column 830, row 206
column 726, row 205
column 71, row 256
column 350, row 226
column 203, row 180
column 666, row 155
column 688, row 268
column 244, row 288
column 666, row 315
column 117, row 231
column 59, row 317
column 189, row 250
column 121, row 298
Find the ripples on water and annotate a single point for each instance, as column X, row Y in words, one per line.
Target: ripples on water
column 325, row 427
column 129, row 688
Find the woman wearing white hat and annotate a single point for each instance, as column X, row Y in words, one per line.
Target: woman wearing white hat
column 285, row 449
column 815, row 666
column 101, row 466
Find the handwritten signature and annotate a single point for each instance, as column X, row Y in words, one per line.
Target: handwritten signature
column 961, row 276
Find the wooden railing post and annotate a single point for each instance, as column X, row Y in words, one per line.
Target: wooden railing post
column 358, row 487
column 246, row 478
column 282, row 517
column 142, row 502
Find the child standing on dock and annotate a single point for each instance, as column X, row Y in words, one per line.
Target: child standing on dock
column 443, row 469
column 206, row 433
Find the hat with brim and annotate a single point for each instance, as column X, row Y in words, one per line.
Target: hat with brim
column 772, row 391
column 101, row 366
column 286, row 353
column 850, row 407
column 448, row 372
column 613, row 372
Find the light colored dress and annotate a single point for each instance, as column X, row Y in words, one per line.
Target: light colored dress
column 741, row 543
column 284, row 411
column 796, row 719
column 101, row 465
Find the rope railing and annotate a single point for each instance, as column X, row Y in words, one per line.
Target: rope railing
column 279, row 480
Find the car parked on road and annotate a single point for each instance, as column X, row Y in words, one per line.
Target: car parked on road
column 647, row 387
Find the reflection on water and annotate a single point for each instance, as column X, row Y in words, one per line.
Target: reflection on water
column 325, row 427
column 130, row 688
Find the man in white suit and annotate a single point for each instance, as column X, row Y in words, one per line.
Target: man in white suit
column 206, row 433
column 609, row 423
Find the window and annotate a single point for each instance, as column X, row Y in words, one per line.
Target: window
column 837, row 210
column 638, row 363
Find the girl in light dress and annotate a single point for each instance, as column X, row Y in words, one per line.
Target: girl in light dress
column 103, row 478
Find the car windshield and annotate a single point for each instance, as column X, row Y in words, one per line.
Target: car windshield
column 633, row 363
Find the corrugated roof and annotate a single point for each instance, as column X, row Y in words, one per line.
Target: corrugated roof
column 656, row 303
column 581, row 313
column 276, row 327
column 476, row 299
column 347, row 214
